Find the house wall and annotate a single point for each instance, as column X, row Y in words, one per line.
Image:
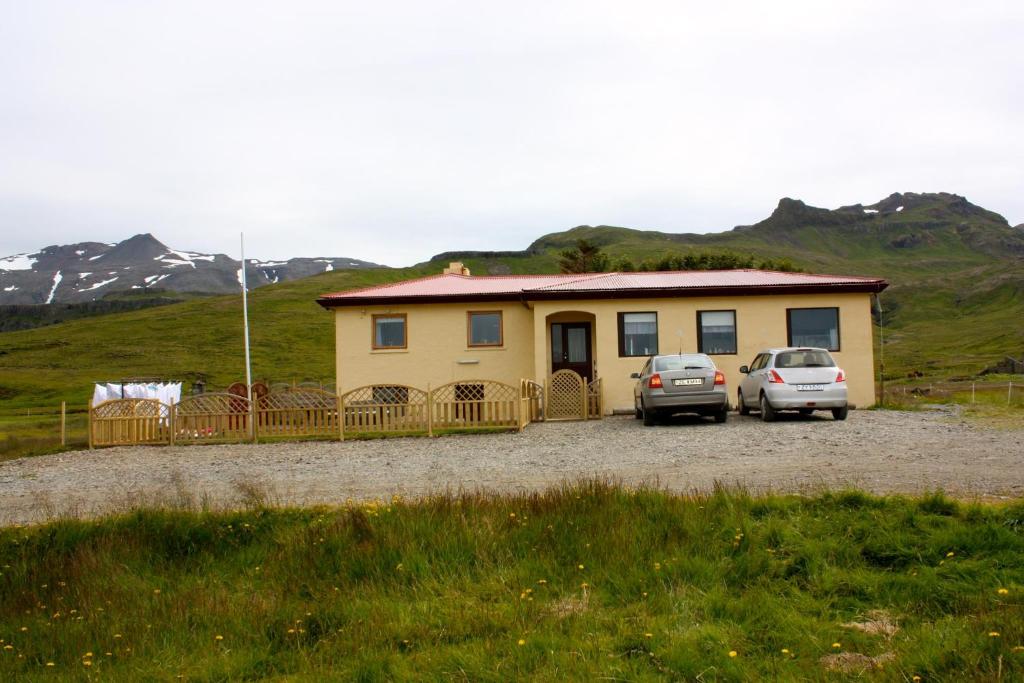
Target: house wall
column 437, row 340
column 760, row 324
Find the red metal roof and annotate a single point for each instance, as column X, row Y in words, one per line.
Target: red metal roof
column 450, row 287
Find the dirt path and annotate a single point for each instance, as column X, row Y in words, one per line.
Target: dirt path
column 879, row 451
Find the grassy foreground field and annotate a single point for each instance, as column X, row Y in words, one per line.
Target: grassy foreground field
column 582, row 583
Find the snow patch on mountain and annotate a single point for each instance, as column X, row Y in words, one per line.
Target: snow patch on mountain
column 57, row 277
column 99, row 284
column 17, row 262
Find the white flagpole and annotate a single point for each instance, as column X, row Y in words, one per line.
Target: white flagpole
column 245, row 319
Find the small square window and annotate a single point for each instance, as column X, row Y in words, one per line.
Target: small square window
column 389, row 332
column 816, row 327
column 716, row 332
column 638, row 334
column 485, row 328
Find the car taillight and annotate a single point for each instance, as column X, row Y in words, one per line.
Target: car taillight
column 840, row 377
column 719, row 377
column 775, row 378
column 654, row 382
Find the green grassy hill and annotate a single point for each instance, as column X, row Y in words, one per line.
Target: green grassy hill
column 956, row 303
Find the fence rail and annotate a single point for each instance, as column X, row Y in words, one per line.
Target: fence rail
column 310, row 412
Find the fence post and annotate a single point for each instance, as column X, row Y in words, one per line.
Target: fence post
column 253, row 419
column 430, row 411
column 89, row 411
column 341, row 419
column 172, row 419
column 1009, row 392
column 519, row 409
column 63, row 424
column 972, row 392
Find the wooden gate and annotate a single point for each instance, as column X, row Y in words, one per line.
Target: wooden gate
column 567, row 397
column 129, row 421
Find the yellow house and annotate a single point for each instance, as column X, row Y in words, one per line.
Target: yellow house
column 455, row 326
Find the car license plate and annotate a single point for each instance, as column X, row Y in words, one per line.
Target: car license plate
column 688, row 382
column 810, row 387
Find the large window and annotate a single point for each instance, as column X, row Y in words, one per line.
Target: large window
column 638, row 334
column 389, row 332
column 485, row 328
column 814, row 327
column 716, row 332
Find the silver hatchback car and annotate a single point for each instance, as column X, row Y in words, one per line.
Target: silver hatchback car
column 803, row 379
column 684, row 383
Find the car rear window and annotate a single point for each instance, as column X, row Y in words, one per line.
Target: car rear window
column 670, row 363
column 804, row 359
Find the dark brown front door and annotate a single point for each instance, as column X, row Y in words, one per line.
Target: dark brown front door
column 570, row 348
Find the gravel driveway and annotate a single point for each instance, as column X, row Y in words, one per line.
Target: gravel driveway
column 879, row 451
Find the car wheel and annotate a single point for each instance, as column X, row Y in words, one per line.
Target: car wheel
column 637, row 413
column 767, row 412
column 722, row 415
column 742, row 406
column 840, row 413
column 649, row 417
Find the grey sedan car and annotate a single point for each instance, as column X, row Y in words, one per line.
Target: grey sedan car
column 684, row 383
column 802, row 379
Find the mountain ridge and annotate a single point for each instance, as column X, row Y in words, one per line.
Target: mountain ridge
column 90, row 271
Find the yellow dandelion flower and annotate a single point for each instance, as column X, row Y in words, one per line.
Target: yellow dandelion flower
column 87, row 654
column 584, row 585
column 117, row 635
column 580, row 567
column 522, row 642
column 950, row 554
column 657, row 566
column 156, row 591
column 218, row 637
column 836, row 646
column 733, row 653
column 785, row 650
column 87, row 663
column 50, row 664
column 1003, row 591
column 1017, row 648
column 644, row 594
column 916, row 679
column 648, row 635
column 542, row 581
column 8, row 647
column 24, row 628
column 993, row 634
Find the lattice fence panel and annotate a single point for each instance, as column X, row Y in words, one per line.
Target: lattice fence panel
column 128, row 421
column 212, row 417
column 565, row 396
column 297, row 412
column 388, row 408
column 475, row 403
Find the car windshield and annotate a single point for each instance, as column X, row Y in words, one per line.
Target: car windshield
column 804, row 358
column 669, row 363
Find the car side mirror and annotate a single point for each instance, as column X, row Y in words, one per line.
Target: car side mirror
column 744, row 369
column 634, row 375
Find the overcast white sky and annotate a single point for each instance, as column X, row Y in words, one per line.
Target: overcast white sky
column 391, row 131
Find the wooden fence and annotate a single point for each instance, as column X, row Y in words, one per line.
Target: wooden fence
column 299, row 412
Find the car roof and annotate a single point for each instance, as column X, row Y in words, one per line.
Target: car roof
column 676, row 355
column 782, row 349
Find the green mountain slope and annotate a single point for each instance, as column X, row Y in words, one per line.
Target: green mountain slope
column 956, row 303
